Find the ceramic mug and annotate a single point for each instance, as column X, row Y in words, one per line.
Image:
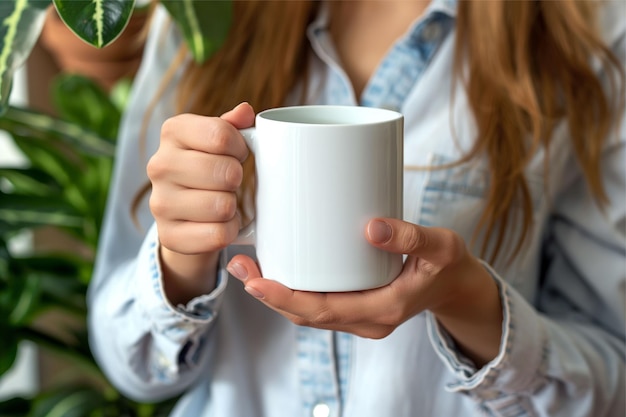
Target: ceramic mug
column 322, row 172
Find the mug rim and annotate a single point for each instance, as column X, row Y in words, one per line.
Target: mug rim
column 293, row 115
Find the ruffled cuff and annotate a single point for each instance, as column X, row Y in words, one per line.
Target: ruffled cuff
column 499, row 386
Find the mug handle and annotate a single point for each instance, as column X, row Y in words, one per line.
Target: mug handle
column 247, row 235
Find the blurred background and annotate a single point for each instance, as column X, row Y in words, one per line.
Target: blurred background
column 56, row 151
column 58, row 130
column 22, row 378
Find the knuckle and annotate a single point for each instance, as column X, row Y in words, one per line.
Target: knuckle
column 220, row 138
column 412, row 238
column 454, row 245
column 429, row 269
column 220, row 235
column 449, row 237
column 231, row 171
column 155, row 169
column 158, row 206
column 169, row 127
column 167, row 238
column 228, row 172
column 226, row 206
column 325, row 317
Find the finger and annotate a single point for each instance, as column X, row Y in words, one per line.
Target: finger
column 242, row 267
column 364, row 313
column 367, row 330
column 198, row 170
column 207, row 134
column 319, row 309
column 242, row 116
column 246, row 270
column 193, row 238
column 437, row 245
column 194, row 205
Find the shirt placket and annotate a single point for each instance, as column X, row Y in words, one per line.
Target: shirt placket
column 317, row 369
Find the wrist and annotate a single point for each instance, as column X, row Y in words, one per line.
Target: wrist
column 185, row 276
column 471, row 287
column 472, row 314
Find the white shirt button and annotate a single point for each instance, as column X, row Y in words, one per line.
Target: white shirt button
column 321, row 410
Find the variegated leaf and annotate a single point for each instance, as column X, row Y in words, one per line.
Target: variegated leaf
column 204, row 24
column 20, row 25
column 97, row 22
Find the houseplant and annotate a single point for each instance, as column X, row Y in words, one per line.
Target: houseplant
column 65, row 186
column 204, row 25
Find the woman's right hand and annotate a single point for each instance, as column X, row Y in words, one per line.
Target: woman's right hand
column 195, row 174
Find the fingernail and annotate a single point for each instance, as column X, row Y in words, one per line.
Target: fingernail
column 379, row 231
column 243, row 103
column 254, row 292
column 237, row 270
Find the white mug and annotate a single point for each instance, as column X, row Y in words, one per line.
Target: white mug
column 322, row 172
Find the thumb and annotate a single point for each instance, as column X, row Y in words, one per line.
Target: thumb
column 242, row 116
column 437, row 245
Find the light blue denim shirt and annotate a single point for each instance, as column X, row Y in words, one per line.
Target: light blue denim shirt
column 562, row 352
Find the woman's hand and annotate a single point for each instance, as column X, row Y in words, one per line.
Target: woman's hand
column 439, row 275
column 195, row 174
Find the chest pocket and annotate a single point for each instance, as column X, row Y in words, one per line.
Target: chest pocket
column 455, row 198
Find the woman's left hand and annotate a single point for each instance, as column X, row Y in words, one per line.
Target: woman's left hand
column 439, row 275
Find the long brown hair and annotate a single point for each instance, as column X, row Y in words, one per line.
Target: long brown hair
column 527, row 66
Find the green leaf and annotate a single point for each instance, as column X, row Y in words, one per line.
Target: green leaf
column 18, row 212
column 21, row 22
column 93, row 188
column 97, row 22
column 64, row 293
column 81, row 101
column 77, row 402
column 36, row 125
column 61, row 281
column 205, row 24
column 17, row 291
column 29, row 181
column 49, row 158
column 8, row 347
column 25, row 301
column 5, row 258
column 63, row 265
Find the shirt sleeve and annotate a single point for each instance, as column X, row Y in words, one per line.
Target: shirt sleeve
column 147, row 347
column 562, row 354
